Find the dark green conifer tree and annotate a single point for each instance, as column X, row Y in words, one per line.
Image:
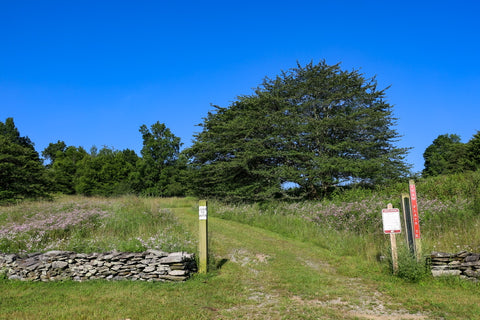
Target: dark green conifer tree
column 313, row 127
column 22, row 174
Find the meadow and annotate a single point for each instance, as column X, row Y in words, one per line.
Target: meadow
column 324, row 259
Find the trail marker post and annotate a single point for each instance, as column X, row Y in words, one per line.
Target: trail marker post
column 415, row 220
column 203, row 236
column 392, row 226
column 407, row 219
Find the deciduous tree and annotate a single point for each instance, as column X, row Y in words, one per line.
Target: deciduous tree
column 445, row 155
column 159, row 170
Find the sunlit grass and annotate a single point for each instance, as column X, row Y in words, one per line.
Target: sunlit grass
column 317, row 252
column 350, row 224
column 92, row 225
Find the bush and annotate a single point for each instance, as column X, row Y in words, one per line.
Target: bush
column 409, row 268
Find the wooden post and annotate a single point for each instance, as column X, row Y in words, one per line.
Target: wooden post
column 393, row 245
column 203, row 236
column 392, row 225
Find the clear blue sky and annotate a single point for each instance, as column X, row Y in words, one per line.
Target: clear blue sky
column 92, row 72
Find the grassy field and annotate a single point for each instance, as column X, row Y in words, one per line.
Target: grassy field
column 310, row 260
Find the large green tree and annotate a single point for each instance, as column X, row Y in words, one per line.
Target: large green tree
column 22, row 174
column 160, row 169
column 313, row 127
column 446, row 154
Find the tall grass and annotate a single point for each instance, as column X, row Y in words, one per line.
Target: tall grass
column 93, row 225
column 349, row 223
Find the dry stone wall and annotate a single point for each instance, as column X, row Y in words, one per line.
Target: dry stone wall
column 151, row 265
column 463, row 264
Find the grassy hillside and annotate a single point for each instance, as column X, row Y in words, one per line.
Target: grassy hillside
column 349, row 222
column 308, row 260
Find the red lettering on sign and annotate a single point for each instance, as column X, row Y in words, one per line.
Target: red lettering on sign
column 416, row 220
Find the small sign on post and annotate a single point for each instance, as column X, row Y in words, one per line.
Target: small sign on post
column 203, row 236
column 392, row 226
column 391, row 220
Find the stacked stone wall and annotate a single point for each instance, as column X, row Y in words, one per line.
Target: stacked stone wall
column 151, row 265
column 464, row 264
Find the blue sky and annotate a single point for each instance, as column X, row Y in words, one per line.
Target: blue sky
column 92, row 72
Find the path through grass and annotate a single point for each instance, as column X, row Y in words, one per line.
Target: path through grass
column 258, row 275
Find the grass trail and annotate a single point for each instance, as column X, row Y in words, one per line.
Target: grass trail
column 259, row 275
column 273, row 277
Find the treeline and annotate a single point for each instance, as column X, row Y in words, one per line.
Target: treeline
column 301, row 135
column 159, row 171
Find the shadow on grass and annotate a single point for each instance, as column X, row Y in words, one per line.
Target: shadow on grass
column 220, row 263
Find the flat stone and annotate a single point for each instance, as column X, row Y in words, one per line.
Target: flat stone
column 439, row 273
column 178, row 273
column 173, row 278
column 468, row 264
column 55, row 253
column 441, row 255
column 157, row 253
column 175, row 257
column 149, row 269
column 471, row 273
column 32, row 265
column 472, row 258
column 9, row 258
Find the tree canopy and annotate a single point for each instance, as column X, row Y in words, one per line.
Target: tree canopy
column 473, row 152
column 160, row 154
column 22, row 174
column 447, row 154
column 313, row 127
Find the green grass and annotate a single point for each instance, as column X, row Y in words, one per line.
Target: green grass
column 93, row 225
column 308, row 260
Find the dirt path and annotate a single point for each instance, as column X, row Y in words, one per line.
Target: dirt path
column 280, row 278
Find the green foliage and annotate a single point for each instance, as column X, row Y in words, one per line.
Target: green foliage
column 450, row 187
column 50, row 152
column 314, row 127
column 409, row 268
column 473, row 152
column 108, row 172
column 445, row 155
column 63, row 169
column 22, row 174
column 160, row 170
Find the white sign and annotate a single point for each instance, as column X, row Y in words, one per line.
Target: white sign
column 391, row 221
column 202, row 212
